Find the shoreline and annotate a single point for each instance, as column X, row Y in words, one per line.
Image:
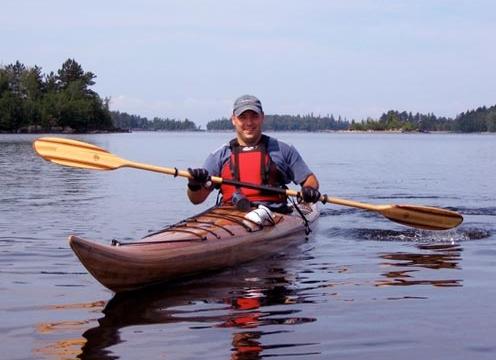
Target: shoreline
column 125, row 131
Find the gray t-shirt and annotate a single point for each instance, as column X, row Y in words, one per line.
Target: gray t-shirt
column 286, row 158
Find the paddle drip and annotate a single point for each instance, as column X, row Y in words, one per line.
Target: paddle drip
column 421, row 236
column 305, row 220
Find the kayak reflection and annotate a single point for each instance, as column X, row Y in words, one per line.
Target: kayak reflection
column 239, row 299
column 408, row 268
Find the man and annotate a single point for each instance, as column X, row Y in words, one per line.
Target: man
column 253, row 157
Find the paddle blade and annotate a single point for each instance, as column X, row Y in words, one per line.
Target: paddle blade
column 77, row 154
column 423, row 217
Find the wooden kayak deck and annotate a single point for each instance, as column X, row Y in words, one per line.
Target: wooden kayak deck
column 219, row 237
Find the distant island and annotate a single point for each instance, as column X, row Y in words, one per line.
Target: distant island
column 482, row 119
column 122, row 120
column 31, row 102
column 62, row 102
column 58, row 102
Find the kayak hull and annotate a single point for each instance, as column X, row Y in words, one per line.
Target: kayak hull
column 216, row 239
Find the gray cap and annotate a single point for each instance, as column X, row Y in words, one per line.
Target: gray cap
column 247, row 102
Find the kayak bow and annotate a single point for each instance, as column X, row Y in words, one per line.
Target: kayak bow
column 218, row 238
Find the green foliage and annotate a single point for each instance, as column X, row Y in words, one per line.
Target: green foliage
column 11, row 111
column 289, row 123
column 480, row 120
column 50, row 102
column 124, row 120
column 171, row 124
column 72, row 75
column 220, row 124
column 491, row 120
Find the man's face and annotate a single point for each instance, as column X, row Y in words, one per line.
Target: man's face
column 248, row 127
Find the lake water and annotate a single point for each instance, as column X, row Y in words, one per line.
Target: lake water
column 361, row 287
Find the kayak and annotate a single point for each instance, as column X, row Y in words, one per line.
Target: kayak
column 217, row 238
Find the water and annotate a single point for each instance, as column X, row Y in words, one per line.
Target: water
column 361, row 287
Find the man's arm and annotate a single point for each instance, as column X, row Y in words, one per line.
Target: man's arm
column 199, row 185
column 310, row 189
column 198, row 196
column 311, row 181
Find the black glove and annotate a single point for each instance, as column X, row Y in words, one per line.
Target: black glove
column 309, row 194
column 199, row 178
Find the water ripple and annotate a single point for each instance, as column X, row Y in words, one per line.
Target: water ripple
column 487, row 211
column 411, row 235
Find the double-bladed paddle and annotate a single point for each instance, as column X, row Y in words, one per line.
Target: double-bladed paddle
column 88, row 156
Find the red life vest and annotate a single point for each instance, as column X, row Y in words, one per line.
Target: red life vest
column 252, row 165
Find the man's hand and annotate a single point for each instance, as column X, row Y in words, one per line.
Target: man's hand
column 309, row 194
column 199, row 178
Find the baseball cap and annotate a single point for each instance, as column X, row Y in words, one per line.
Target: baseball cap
column 247, row 102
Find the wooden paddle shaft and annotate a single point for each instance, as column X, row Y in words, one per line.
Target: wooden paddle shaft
column 215, row 179
column 219, row 180
column 160, row 169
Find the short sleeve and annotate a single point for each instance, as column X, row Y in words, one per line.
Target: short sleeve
column 298, row 166
column 215, row 160
column 289, row 161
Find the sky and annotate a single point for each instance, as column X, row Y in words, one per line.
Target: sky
column 192, row 59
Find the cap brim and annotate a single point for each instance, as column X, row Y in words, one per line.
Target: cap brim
column 242, row 109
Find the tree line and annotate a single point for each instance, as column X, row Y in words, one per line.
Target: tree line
column 31, row 101
column 62, row 101
column 290, row 123
column 482, row 119
column 124, row 120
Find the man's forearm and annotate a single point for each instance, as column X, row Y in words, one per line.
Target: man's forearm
column 311, row 181
column 199, row 196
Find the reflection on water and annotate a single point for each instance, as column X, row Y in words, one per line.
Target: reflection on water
column 250, row 299
column 63, row 347
column 47, row 328
column 247, row 346
column 245, row 301
column 434, row 257
column 232, row 301
column 95, row 306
